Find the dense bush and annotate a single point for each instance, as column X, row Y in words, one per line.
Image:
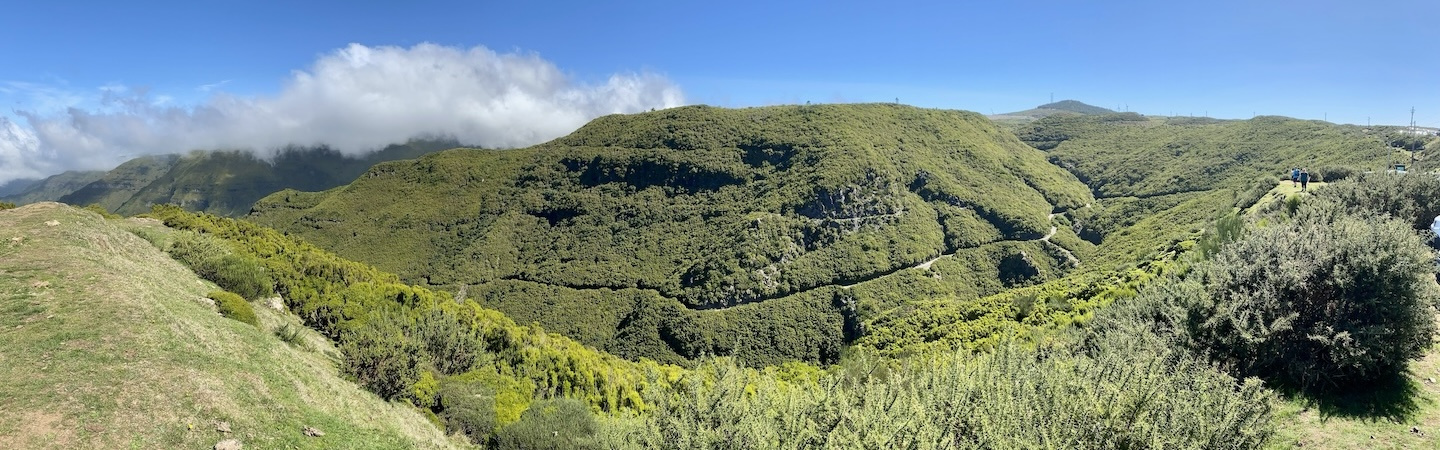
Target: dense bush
column 1012, row 398
column 555, row 424
column 468, row 408
column 6, row 205
column 1331, row 174
column 1323, row 301
column 1414, row 199
column 213, row 260
column 234, row 307
column 380, row 357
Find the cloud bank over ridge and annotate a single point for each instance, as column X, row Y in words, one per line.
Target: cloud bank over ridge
column 356, row 99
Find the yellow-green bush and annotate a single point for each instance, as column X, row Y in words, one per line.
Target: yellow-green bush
column 234, row 307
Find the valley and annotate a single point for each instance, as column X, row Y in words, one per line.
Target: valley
column 666, row 278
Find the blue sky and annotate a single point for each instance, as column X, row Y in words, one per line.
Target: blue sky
column 134, row 62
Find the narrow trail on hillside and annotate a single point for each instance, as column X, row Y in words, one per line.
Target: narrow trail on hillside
column 926, row 265
column 1074, row 262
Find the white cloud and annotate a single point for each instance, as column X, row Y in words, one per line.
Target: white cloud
column 356, row 99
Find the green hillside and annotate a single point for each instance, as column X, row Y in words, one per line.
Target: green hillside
column 105, row 342
column 229, row 182
column 711, row 206
column 53, row 187
column 1158, row 180
column 640, row 234
column 1141, row 157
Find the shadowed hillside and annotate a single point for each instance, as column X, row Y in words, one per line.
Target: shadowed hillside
column 229, row 182
column 51, row 188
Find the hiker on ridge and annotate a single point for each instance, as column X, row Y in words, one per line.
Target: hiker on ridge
column 1294, row 176
column 1304, row 179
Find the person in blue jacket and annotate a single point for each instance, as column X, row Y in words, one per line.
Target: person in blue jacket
column 1294, row 176
column 1304, row 179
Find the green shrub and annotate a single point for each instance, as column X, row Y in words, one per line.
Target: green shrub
column 6, row 205
column 468, row 408
column 452, row 346
column 1331, row 174
column 244, row 275
column 1325, row 301
column 1226, row 230
column 234, row 307
column 559, row 424
column 1011, row 398
column 290, row 334
column 381, row 357
column 212, row 260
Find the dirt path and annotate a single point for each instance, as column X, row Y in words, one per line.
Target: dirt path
column 1074, row 262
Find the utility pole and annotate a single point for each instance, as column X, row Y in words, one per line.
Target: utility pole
column 1413, row 136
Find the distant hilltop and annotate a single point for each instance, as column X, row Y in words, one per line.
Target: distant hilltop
column 1049, row 109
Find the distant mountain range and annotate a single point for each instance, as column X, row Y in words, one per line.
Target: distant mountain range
column 218, row 182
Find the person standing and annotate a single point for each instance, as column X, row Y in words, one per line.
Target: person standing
column 1294, row 176
column 1304, row 179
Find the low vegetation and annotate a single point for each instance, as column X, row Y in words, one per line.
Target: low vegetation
column 234, row 307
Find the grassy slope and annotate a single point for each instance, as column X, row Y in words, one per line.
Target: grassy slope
column 1379, row 419
column 103, row 344
column 53, row 187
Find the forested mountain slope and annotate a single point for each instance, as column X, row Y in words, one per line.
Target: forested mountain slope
column 714, row 207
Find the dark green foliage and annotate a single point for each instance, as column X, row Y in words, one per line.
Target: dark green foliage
column 1328, row 299
column 381, row 357
column 1331, row 174
column 1324, row 304
column 638, row 233
column 451, row 344
column 1013, row 398
column 234, row 307
column 555, row 424
column 6, row 205
column 468, row 408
